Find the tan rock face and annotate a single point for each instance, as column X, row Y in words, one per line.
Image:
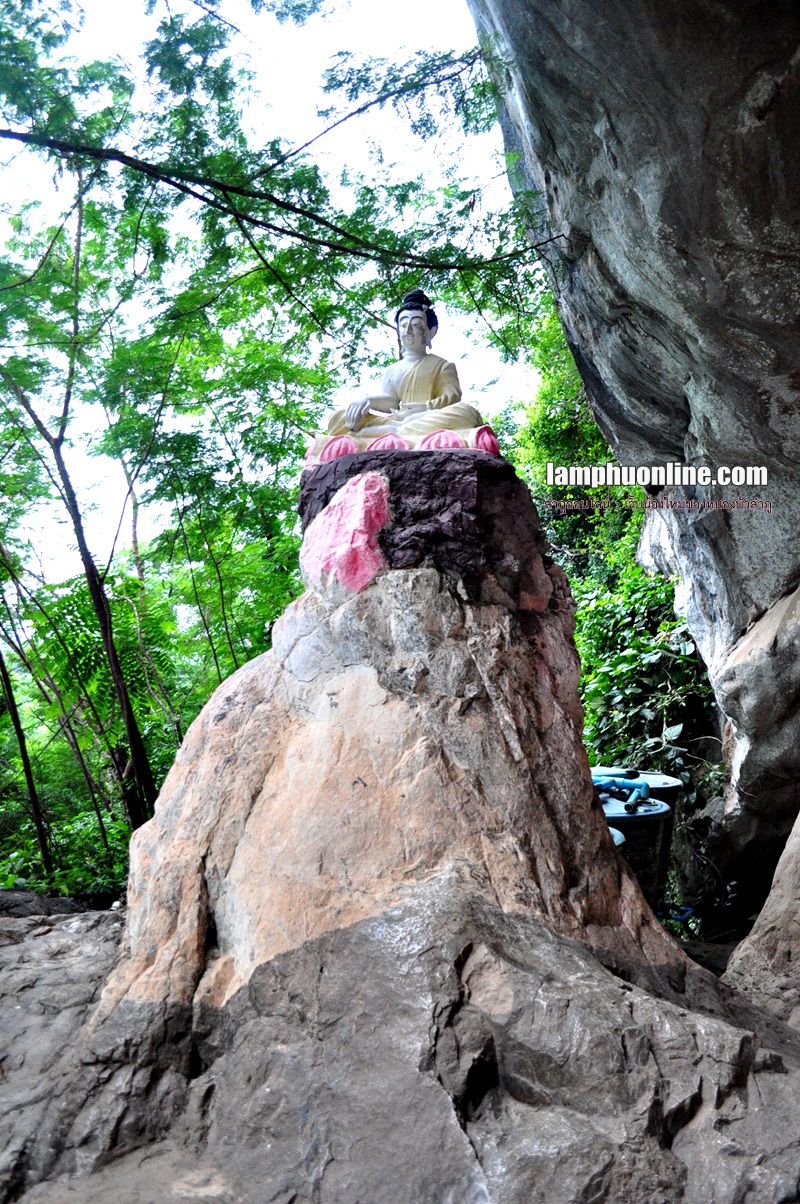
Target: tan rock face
column 402, row 735
column 406, row 733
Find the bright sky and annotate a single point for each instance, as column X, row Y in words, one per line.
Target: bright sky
column 288, row 63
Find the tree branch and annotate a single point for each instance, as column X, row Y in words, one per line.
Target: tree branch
column 73, row 346
column 22, row 398
column 131, row 477
column 283, row 283
column 182, row 181
column 405, row 89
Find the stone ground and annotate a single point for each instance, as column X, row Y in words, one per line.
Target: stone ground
column 52, row 968
column 441, row 1053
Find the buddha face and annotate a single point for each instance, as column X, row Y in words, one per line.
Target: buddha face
column 414, row 333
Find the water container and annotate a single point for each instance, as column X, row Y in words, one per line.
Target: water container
column 644, row 819
column 661, row 785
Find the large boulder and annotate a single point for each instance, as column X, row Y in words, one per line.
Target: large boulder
column 380, row 945
column 658, row 146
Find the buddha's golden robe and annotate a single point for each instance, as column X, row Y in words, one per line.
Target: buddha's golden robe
column 432, row 382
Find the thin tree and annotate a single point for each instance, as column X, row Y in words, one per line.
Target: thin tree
column 33, row 794
column 139, row 802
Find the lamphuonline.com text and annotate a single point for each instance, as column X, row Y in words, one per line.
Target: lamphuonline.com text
column 673, row 473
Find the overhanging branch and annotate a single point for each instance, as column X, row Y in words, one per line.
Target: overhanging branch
column 188, row 182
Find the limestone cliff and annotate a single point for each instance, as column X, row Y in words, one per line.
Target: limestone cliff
column 662, row 140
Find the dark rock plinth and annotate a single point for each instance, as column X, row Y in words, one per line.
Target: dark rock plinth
column 465, row 513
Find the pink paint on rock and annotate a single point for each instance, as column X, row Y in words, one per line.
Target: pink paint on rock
column 342, row 541
column 342, row 445
column 441, row 441
column 389, row 443
column 486, row 440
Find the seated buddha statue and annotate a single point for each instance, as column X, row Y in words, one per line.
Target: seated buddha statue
column 419, row 405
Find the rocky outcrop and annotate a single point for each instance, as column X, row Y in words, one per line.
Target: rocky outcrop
column 764, row 966
column 380, row 945
column 661, row 141
column 444, row 1050
column 24, row 903
column 425, row 726
column 52, row 967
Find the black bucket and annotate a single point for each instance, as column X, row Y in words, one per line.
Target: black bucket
column 645, row 822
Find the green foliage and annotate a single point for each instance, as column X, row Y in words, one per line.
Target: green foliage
column 425, row 91
column 196, row 305
column 646, row 697
column 644, row 692
column 297, row 11
column 188, row 315
column 83, row 865
column 559, row 428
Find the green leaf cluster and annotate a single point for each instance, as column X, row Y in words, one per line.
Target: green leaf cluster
column 181, row 311
column 646, row 696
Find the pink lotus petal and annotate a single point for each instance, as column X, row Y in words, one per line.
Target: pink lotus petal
column 341, row 445
column 441, row 440
column 391, row 442
column 486, row 440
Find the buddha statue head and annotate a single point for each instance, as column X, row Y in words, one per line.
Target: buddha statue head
column 416, row 323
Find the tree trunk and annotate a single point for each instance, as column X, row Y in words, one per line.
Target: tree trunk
column 27, row 769
column 140, row 803
column 137, row 558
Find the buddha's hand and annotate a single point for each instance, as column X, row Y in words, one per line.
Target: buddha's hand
column 411, row 411
column 356, row 412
